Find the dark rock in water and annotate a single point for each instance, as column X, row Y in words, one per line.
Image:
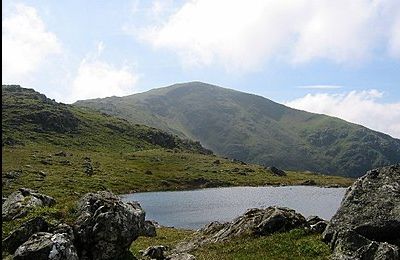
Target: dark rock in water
column 20, row 202
column 367, row 224
column 149, row 229
column 23, row 233
column 181, row 256
column 155, row 252
column 106, row 226
column 45, row 246
column 276, row 171
column 256, row 222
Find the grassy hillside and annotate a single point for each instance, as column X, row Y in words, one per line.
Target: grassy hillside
column 66, row 151
column 257, row 130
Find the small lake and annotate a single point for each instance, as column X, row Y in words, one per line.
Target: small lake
column 195, row 208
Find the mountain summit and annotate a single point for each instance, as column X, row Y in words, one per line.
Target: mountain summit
column 254, row 129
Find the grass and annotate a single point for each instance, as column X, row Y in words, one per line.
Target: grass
column 168, row 237
column 295, row 244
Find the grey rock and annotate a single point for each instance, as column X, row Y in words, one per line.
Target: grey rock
column 276, row 171
column 368, row 220
column 255, row 222
column 312, row 220
column 351, row 245
column 23, row 233
column 387, row 251
column 47, row 246
column 319, row 227
column 87, row 166
column 155, row 252
column 20, row 202
column 12, row 174
column 149, row 229
column 106, row 226
column 181, row 256
column 64, row 228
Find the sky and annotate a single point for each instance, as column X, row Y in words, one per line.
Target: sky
column 340, row 58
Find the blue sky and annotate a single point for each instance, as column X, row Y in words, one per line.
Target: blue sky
column 335, row 57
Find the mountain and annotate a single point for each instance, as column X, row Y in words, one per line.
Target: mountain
column 254, row 129
column 65, row 151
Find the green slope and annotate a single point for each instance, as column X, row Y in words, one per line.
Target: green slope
column 124, row 156
column 254, row 129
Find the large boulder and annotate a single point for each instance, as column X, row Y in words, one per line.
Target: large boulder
column 20, row 202
column 368, row 220
column 23, row 233
column 255, row 222
column 106, row 226
column 47, row 246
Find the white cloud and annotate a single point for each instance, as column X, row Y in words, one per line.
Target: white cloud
column 243, row 34
column 361, row 107
column 26, row 43
column 320, row 87
column 98, row 79
column 395, row 38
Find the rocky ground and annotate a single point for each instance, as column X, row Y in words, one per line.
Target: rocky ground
column 366, row 226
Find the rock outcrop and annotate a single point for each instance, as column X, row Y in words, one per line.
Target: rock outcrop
column 367, row 224
column 255, row 222
column 104, row 229
column 23, row 233
column 20, row 202
column 47, row 246
column 106, row 226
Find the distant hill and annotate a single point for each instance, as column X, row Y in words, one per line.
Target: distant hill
column 255, row 129
column 65, row 151
column 30, row 117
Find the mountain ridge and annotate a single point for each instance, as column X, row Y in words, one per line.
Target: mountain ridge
column 255, row 129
